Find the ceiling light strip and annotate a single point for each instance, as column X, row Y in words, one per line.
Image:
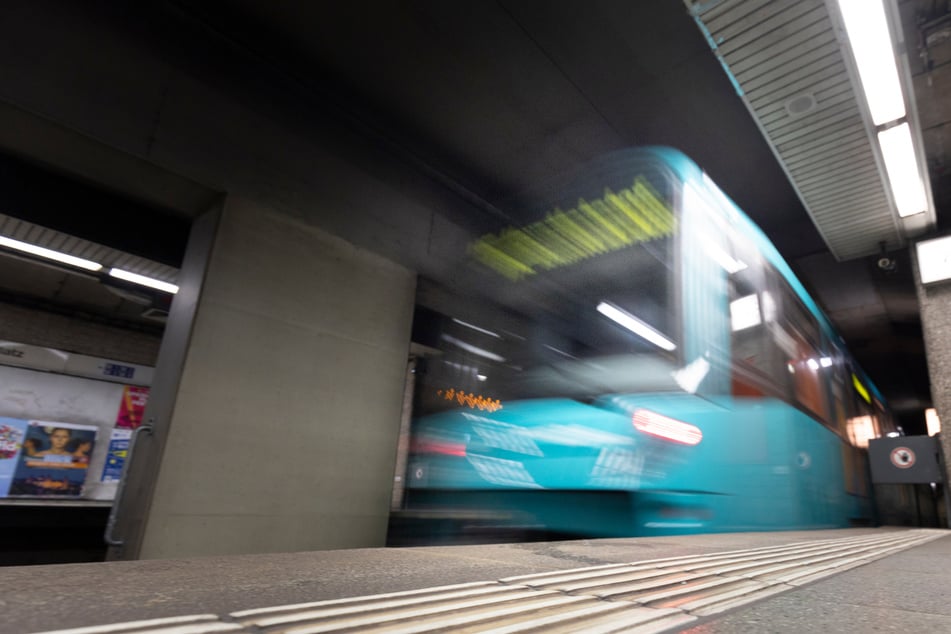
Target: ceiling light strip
column 898, row 151
column 871, row 44
column 143, row 280
column 49, row 254
column 866, row 24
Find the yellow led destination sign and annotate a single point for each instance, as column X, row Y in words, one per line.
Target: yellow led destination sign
column 617, row 220
column 470, row 400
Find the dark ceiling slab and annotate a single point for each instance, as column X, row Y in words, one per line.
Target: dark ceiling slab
column 504, row 100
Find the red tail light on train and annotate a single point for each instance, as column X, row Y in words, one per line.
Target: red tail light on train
column 445, row 448
column 652, row 423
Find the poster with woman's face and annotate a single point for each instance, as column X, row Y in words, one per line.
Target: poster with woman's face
column 54, row 460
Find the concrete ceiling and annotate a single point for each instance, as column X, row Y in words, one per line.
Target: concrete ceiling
column 504, row 99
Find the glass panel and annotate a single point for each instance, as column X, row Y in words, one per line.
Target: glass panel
column 806, row 360
column 578, row 303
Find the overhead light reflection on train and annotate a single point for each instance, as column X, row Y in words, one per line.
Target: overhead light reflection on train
column 468, row 347
column 635, row 325
column 476, row 328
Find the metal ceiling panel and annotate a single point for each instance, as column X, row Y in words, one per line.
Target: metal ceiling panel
column 788, row 66
column 71, row 245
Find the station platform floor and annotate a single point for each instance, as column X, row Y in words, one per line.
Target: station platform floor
column 852, row 580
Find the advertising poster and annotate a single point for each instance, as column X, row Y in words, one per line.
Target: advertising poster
column 132, row 406
column 12, row 433
column 54, row 459
column 129, row 417
column 115, row 460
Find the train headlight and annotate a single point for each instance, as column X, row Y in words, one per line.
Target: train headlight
column 652, row 423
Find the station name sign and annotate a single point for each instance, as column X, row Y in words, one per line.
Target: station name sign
column 51, row 360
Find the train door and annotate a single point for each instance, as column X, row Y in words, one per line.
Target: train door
column 815, row 446
column 706, row 262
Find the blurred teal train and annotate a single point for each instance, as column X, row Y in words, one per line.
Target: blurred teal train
column 637, row 359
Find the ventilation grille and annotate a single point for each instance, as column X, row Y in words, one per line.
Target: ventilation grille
column 788, row 66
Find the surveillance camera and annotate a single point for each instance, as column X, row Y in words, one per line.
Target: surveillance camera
column 887, row 264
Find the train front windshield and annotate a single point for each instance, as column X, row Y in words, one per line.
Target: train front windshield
column 578, row 304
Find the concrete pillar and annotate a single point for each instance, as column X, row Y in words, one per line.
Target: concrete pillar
column 935, row 302
column 282, row 430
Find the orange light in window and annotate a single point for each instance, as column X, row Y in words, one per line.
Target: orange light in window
column 470, row 400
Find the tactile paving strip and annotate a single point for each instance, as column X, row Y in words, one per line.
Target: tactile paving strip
column 646, row 596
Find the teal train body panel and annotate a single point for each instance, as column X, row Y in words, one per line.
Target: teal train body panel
column 762, row 465
column 583, row 466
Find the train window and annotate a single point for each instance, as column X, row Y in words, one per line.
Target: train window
column 606, row 323
column 839, row 385
column 806, row 362
column 861, row 429
column 750, row 312
column 757, row 359
column 865, row 416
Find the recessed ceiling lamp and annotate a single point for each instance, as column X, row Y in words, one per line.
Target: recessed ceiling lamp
column 870, row 40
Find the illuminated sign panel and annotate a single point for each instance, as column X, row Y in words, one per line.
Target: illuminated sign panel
column 617, row 220
column 934, row 260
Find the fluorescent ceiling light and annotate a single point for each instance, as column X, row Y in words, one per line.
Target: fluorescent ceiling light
column 49, row 254
column 813, row 364
column 135, row 278
column 871, row 44
column 635, row 325
column 825, row 362
column 902, row 167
